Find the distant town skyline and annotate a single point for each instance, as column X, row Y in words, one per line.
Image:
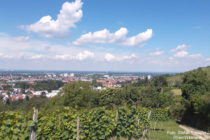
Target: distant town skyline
column 105, row 35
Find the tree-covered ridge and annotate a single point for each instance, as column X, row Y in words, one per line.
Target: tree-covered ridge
column 196, row 92
column 177, row 78
column 82, row 95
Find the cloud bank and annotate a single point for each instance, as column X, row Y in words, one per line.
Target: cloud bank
column 80, row 56
column 119, row 37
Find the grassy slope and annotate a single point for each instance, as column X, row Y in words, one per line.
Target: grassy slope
column 166, row 131
column 207, row 70
column 176, row 92
column 178, row 77
column 175, row 78
column 162, row 131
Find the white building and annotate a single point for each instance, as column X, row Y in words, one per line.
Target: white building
column 38, row 93
column 52, row 93
column 149, row 77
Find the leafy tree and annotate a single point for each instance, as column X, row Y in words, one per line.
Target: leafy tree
column 110, row 97
column 142, row 82
column 95, row 83
column 22, row 85
column 48, row 85
column 78, row 94
column 178, row 107
column 160, row 81
column 7, row 87
column 195, row 82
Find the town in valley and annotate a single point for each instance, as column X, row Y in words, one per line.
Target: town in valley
column 20, row 85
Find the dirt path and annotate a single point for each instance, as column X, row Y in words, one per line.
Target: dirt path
column 197, row 133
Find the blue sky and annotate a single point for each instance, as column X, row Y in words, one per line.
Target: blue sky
column 128, row 35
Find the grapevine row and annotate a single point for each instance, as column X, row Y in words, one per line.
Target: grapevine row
column 94, row 124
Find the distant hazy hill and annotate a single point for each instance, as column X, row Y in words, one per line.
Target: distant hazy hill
column 178, row 77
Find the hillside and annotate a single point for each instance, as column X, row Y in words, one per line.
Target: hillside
column 178, row 77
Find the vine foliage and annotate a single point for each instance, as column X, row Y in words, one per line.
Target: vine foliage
column 95, row 124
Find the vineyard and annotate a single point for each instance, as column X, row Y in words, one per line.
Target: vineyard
column 68, row 123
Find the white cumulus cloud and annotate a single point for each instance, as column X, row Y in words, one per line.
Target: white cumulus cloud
column 181, row 54
column 119, row 58
column 63, row 57
column 38, row 56
column 84, row 55
column 22, row 38
column 70, row 13
column 118, row 37
column 157, row 53
column 80, row 56
column 4, row 56
column 132, row 56
column 109, row 57
column 195, row 56
column 180, row 47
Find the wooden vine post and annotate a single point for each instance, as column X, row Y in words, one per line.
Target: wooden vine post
column 78, row 128
column 116, row 120
column 148, row 117
column 33, row 126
